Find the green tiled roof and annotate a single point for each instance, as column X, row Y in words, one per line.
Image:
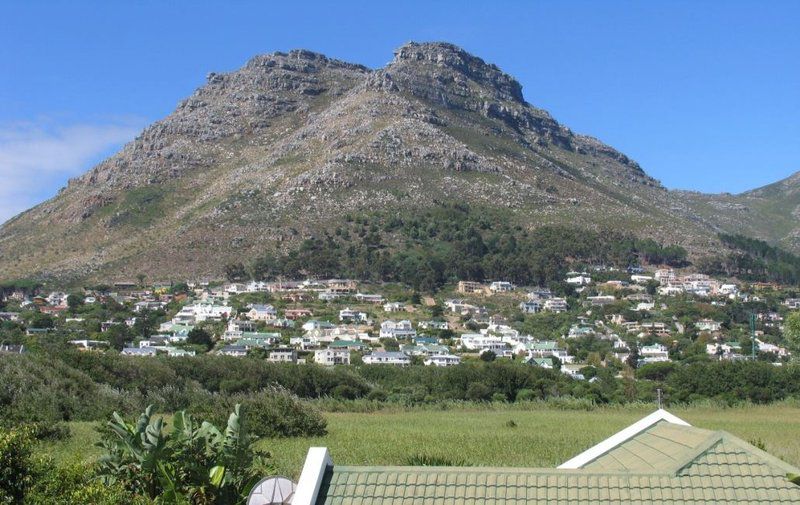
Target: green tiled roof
column 662, row 447
column 346, row 343
column 666, row 463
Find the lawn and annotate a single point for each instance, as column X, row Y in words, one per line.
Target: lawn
column 543, row 437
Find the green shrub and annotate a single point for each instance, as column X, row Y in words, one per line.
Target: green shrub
column 478, row 391
column 273, row 412
column 16, row 472
column 499, row 398
column 192, row 462
column 377, row 395
column 526, row 395
column 76, row 484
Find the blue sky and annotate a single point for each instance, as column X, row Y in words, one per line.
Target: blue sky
column 704, row 95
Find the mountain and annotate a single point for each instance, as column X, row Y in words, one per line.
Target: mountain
column 769, row 213
column 291, row 144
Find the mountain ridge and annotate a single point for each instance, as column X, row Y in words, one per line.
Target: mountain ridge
column 228, row 172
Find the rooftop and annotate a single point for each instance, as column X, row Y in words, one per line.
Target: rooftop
column 659, row 459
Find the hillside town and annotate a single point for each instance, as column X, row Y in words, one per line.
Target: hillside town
column 601, row 317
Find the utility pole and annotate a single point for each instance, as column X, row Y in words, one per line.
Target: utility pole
column 753, row 336
column 659, row 398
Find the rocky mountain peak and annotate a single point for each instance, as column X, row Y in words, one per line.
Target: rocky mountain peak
column 449, row 63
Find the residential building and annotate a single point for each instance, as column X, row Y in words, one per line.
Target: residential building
column 468, row 287
column 424, row 349
column 579, row 280
column 539, row 294
column 139, row 351
column 386, row 358
column 350, row 345
column 443, row 360
column 199, row 312
column 261, row 312
column 707, row 325
column 397, row 329
column 282, row 355
column 330, row 357
column 653, row 353
column 600, row 300
column 665, row 276
column 293, row 314
column 480, row 342
column 394, row 307
column 90, row 345
column 12, row 349
column 237, row 351
column 350, row 315
column 433, row 325
column 317, row 325
column 530, row 306
column 556, row 305
column 369, row 298
column 792, row 303
column 501, row 287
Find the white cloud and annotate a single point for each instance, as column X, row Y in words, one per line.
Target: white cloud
column 36, row 160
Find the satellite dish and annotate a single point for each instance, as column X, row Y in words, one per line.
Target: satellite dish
column 272, row 491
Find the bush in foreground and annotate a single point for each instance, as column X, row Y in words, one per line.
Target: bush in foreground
column 191, row 463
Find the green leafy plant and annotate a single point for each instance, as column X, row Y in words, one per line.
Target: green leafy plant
column 190, row 463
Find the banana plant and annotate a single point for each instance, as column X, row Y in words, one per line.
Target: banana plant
column 189, row 464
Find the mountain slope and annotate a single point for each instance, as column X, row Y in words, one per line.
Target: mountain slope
column 770, row 213
column 282, row 149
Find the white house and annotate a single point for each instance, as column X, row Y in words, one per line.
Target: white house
column 654, row 353
column 792, row 303
column 330, row 357
column 237, row 351
column 600, row 300
column 708, row 325
column 501, row 287
column 315, row 325
column 199, row 312
column 480, row 342
column 348, row 314
column 530, row 307
column 433, row 325
column 282, row 356
column 139, row 351
column 443, row 360
column 771, row 348
column 556, row 305
column 369, row 298
column 579, row 280
column 397, row 329
column 665, row 276
column 394, row 307
column 386, row 358
column 260, row 312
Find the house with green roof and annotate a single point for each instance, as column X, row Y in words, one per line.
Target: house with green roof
column 351, row 345
column 659, row 459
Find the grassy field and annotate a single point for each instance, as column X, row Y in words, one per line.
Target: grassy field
column 482, row 437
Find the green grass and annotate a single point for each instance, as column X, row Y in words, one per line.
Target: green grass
column 544, row 437
column 79, row 447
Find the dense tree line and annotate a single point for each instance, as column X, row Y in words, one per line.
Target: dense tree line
column 449, row 242
column 69, row 385
column 753, row 260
